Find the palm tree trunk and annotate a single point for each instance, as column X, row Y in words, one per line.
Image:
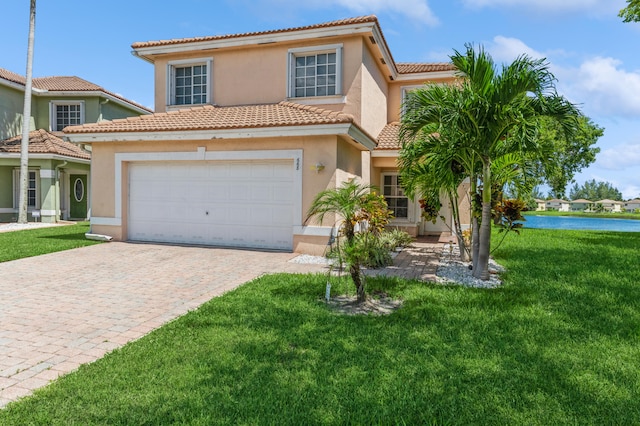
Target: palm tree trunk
column 482, row 268
column 356, row 276
column 26, row 122
column 457, row 227
column 475, row 230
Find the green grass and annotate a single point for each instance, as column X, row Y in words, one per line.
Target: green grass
column 558, row 343
column 34, row 242
column 604, row 215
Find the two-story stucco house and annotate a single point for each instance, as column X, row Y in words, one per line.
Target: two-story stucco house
column 248, row 129
column 558, row 204
column 632, row 206
column 59, row 178
column 581, row 205
column 611, row 206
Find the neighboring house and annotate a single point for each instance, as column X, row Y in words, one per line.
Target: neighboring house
column 581, row 205
column 541, row 205
column 632, row 205
column 559, row 205
column 248, row 129
column 611, row 206
column 59, row 178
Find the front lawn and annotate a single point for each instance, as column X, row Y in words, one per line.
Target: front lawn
column 34, row 242
column 557, row 344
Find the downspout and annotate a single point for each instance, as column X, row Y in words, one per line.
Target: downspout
column 57, row 174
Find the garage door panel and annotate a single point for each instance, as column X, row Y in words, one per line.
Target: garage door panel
column 230, row 203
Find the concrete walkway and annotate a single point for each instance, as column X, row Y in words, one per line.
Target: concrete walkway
column 61, row 310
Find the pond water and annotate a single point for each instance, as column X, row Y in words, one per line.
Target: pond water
column 590, row 223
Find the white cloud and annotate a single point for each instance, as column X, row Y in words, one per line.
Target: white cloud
column 506, row 49
column 555, row 6
column 619, row 157
column 604, row 87
column 414, row 9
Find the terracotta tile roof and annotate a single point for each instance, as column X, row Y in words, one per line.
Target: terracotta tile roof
column 410, row 68
column 338, row 23
column 389, row 137
column 64, row 84
column 11, row 76
column 43, row 142
column 219, row 118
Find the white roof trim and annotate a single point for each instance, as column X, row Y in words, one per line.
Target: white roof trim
column 386, row 153
column 246, row 40
column 256, row 132
column 427, row 75
column 45, row 156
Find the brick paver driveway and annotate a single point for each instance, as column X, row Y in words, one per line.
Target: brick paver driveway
column 61, row 310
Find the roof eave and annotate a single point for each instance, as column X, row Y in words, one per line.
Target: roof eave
column 247, row 40
column 427, row 75
column 46, row 156
column 346, row 129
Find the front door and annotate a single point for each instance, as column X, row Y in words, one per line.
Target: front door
column 78, row 197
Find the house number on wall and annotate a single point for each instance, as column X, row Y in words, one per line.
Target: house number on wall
column 297, row 163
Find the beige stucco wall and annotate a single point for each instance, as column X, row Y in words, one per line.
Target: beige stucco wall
column 395, row 94
column 374, row 94
column 258, row 74
column 340, row 158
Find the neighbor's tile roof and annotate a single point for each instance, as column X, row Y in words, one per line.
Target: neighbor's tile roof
column 410, row 68
column 43, row 142
column 63, row 84
column 338, row 23
column 389, row 137
column 581, row 200
column 210, row 117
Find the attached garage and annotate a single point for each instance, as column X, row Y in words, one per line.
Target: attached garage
column 222, row 203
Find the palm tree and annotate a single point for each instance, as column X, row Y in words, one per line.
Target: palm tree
column 26, row 118
column 347, row 203
column 493, row 114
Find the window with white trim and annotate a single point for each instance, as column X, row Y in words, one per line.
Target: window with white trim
column 189, row 82
column 33, row 189
column 315, row 71
column 66, row 113
column 394, row 195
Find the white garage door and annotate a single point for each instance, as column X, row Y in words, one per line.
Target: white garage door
column 223, row 203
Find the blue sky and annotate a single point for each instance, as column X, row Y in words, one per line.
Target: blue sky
column 591, row 51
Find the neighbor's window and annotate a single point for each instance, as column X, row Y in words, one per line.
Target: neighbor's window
column 189, row 82
column 394, row 195
column 33, row 201
column 65, row 114
column 315, row 71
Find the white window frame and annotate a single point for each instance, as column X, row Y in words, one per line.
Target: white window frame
column 53, row 113
column 409, row 201
column 16, row 189
column 308, row 51
column 171, row 78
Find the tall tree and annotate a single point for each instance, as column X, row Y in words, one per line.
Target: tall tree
column 595, row 191
column 568, row 155
column 499, row 114
column 26, row 121
column 631, row 13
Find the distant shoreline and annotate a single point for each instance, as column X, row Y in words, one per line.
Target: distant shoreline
column 631, row 216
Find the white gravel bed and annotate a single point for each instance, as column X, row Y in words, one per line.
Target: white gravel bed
column 8, row 227
column 452, row 271
column 312, row 260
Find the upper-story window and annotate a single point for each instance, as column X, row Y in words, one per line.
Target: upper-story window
column 66, row 113
column 189, row 82
column 315, row 71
